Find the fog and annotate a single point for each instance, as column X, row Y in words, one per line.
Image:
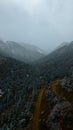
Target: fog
column 45, row 23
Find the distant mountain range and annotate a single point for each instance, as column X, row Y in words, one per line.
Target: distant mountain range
column 20, row 51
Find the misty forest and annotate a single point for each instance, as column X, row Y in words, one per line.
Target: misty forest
column 36, row 65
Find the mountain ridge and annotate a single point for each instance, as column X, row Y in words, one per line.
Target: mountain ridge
column 57, row 64
column 20, row 52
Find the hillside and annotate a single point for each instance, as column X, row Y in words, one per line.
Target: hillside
column 16, row 95
column 57, row 64
column 21, row 52
column 20, row 84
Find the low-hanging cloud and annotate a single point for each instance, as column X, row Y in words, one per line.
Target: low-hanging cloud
column 45, row 23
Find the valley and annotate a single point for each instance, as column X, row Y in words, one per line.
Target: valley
column 37, row 94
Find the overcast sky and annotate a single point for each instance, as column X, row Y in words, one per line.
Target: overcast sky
column 45, row 23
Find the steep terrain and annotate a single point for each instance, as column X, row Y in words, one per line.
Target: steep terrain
column 20, row 83
column 53, row 110
column 16, row 79
column 21, row 52
column 57, row 64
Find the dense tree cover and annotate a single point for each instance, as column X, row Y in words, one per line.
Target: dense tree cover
column 57, row 64
column 19, row 83
column 17, row 80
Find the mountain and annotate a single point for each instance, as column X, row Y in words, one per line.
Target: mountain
column 57, row 64
column 20, row 84
column 32, row 48
column 22, row 52
column 63, row 44
column 17, row 97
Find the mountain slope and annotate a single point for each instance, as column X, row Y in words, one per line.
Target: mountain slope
column 16, row 85
column 57, row 64
column 22, row 52
column 20, row 81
